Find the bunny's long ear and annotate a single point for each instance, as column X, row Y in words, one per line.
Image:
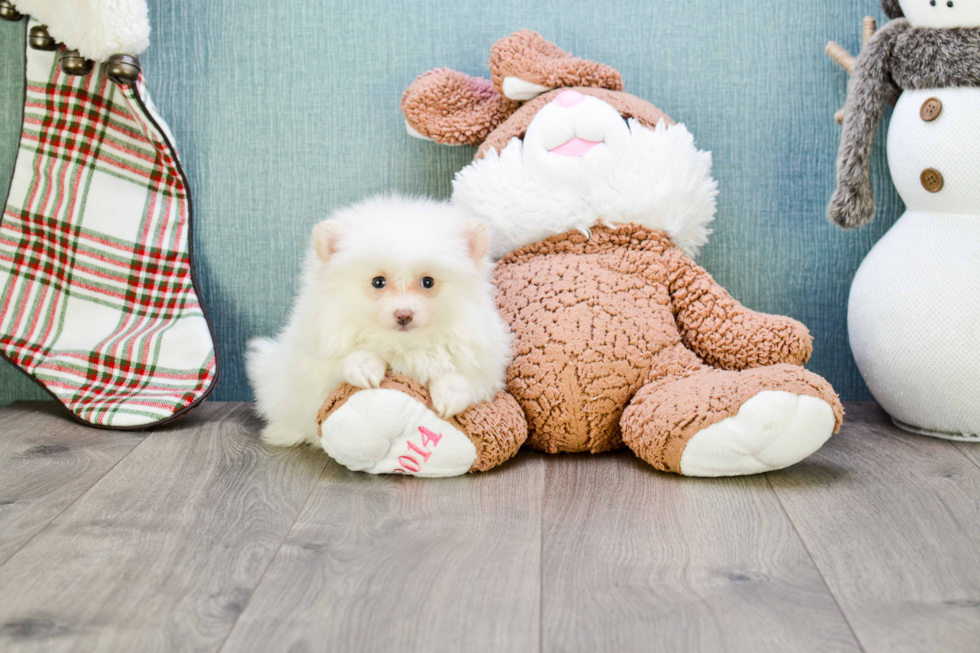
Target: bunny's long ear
column 525, row 65
column 98, row 29
column 452, row 108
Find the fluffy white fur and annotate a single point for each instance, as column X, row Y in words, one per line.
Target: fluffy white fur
column 96, row 28
column 342, row 328
column 652, row 177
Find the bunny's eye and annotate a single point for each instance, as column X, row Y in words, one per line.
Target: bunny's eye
column 428, row 282
column 379, row 282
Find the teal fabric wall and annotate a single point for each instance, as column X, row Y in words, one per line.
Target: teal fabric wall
column 285, row 110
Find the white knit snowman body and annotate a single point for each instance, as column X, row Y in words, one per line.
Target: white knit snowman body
column 914, row 309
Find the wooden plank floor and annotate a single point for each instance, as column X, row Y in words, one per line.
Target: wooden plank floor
column 196, row 537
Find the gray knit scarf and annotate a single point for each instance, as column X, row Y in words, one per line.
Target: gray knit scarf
column 913, row 58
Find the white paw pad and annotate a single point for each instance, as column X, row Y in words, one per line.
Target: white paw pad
column 388, row 432
column 772, row 430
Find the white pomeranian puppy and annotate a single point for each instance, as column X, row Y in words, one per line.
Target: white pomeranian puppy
column 389, row 283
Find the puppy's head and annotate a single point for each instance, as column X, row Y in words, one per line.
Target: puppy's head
column 397, row 267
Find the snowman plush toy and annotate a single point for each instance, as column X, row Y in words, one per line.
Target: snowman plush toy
column 914, row 311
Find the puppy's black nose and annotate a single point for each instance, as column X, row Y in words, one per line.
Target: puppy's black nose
column 404, row 316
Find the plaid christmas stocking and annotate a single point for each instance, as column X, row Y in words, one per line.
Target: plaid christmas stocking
column 97, row 298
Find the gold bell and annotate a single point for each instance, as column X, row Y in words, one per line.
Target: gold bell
column 40, row 39
column 8, row 11
column 122, row 69
column 74, row 63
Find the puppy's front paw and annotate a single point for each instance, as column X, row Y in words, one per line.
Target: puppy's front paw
column 451, row 395
column 363, row 369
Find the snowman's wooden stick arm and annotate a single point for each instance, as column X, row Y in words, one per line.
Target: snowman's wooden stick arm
column 841, row 56
column 846, row 60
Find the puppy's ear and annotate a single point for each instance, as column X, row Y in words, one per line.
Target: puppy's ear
column 477, row 238
column 326, row 238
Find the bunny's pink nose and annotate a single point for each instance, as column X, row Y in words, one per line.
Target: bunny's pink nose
column 569, row 98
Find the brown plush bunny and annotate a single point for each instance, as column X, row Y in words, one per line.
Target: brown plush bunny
column 594, row 200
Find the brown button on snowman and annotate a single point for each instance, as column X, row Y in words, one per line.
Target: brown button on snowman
column 931, row 109
column 914, row 310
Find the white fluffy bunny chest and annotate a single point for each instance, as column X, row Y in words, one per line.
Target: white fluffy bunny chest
column 937, row 130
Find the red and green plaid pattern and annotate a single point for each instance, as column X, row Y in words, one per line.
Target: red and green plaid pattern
column 97, row 300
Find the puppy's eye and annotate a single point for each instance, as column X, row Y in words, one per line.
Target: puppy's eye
column 379, row 282
column 428, row 282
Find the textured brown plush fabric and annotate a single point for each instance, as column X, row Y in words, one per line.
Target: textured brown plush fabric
column 530, row 57
column 722, row 332
column 629, row 106
column 619, row 338
column 496, row 428
column 597, row 319
column 665, row 414
column 453, row 108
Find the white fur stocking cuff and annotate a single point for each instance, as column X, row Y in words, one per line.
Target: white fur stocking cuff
column 98, row 29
